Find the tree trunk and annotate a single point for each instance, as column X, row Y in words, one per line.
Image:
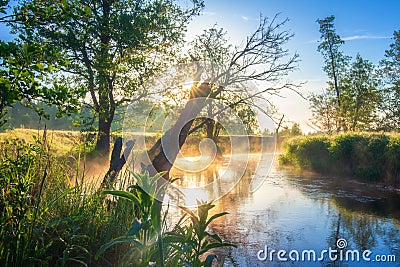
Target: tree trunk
column 210, row 128
column 103, row 139
column 117, row 161
column 210, row 122
column 179, row 130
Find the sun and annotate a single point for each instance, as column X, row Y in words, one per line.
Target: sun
column 187, row 85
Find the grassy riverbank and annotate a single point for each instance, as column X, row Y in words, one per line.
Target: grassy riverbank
column 50, row 215
column 371, row 157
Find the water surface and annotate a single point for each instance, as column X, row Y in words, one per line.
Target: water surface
column 300, row 211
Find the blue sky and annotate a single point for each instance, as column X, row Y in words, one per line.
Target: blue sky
column 366, row 26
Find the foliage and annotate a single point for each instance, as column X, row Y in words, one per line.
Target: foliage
column 335, row 60
column 29, row 234
column 390, row 104
column 149, row 241
column 307, row 153
column 324, row 111
column 329, row 47
column 231, row 69
column 144, row 235
column 113, row 47
column 191, row 243
column 24, row 68
column 50, row 216
column 365, row 156
column 360, row 96
column 295, row 130
column 354, row 94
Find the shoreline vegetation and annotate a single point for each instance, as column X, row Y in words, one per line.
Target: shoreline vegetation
column 54, row 215
column 51, row 216
column 371, row 157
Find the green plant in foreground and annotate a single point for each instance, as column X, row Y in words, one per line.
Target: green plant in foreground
column 191, row 242
column 149, row 242
column 145, row 231
column 51, row 215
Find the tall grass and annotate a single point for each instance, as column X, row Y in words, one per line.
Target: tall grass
column 51, row 217
column 372, row 157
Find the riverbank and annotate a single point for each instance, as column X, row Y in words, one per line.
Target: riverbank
column 369, row 157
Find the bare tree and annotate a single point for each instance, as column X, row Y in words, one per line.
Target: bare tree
column 262, row 57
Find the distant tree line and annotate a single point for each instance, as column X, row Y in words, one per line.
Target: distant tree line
column 360, row 95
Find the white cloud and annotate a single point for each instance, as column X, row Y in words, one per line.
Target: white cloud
column 354, row 37
column 208, row 13
column 245, row 18
column 363, row 37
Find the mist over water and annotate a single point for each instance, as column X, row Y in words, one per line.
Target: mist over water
column 300, row 211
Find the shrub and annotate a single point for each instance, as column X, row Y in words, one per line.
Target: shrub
column 307, row 153
column 366, row 156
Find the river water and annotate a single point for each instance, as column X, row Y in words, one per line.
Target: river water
column 298, row 212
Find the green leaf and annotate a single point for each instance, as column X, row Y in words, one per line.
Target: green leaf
column 215, row 237
column 215, row 216
column 215, row 245
column 51, row 203
column 156, row 215
column 87, row 10
column 209, row 260
column 135, row 228
column 124, row 194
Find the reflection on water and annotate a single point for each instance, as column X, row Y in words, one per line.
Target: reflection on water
column 299, row 211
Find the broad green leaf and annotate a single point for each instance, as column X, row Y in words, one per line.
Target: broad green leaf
column 124, row 194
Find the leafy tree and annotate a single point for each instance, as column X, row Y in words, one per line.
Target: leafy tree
column 335, row 61
column 112, row 47
column 24, row 68
column 324, row 113
column 21, row 116
column 295, row 130
column 390, row 104
column 351, row 99
column 360, row 96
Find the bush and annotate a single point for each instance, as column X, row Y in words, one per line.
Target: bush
column 366, row 156
column 307, row 153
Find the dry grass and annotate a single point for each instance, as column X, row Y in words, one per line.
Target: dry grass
column 61, row 142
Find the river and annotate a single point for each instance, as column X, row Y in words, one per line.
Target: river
column 301, row 213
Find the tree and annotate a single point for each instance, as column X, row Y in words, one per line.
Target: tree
column 335, row 61
column 24, row 67
column 360, row 96
column 113, row 47
column 295, row 130
column 324, row 112
column 390, row 104
column 256, row 60
column 262, row 57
